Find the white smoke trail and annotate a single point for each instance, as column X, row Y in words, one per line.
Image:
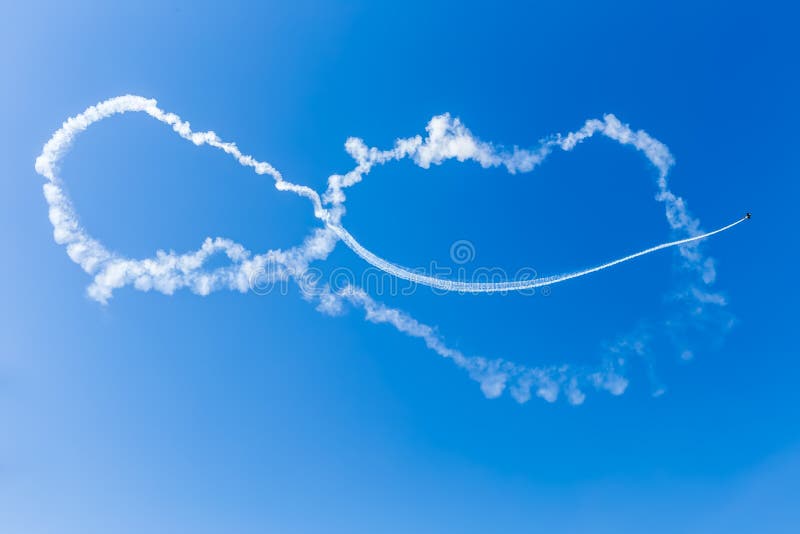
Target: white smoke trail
column 447, row 139
column 511, row 285
column 495, row 375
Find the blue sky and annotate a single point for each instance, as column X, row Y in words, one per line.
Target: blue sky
column 250, row 413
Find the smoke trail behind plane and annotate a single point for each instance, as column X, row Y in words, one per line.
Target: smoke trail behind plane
column 510, row 285
column 447, row 138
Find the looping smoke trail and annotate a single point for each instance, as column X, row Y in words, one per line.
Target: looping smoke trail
column 446, row 139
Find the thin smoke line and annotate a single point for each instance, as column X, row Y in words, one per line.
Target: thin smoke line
column 512, row 285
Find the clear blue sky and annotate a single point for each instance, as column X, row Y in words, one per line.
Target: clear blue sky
column 246, row 413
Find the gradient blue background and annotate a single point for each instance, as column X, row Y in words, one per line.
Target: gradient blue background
column 240, row 413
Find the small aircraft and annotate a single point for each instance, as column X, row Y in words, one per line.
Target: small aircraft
column 747, row 215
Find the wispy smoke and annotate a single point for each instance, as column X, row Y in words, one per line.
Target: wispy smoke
column 447, row 138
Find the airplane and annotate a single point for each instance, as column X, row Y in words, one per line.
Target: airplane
column 747, row 215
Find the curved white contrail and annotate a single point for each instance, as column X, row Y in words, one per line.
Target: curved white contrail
column 511, row 285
